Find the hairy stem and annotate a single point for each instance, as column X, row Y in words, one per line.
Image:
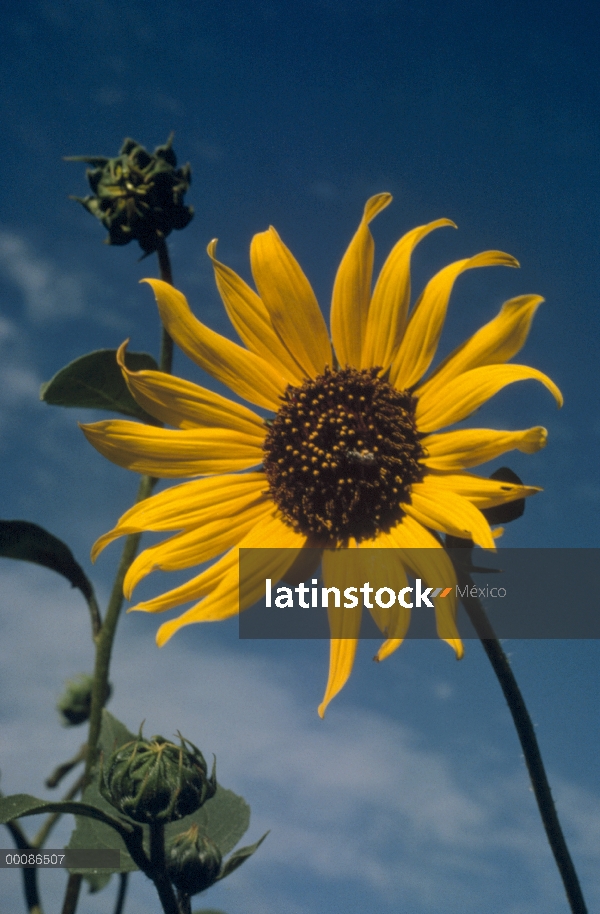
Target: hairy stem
column 529, row 743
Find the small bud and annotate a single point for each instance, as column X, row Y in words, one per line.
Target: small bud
column 153, row 779
column 193, row 862
column 138, row 195
column 76, row 701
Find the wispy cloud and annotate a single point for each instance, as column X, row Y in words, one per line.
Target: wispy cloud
column 359, row 807
column 47, row 291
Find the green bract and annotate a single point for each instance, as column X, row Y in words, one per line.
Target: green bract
column 154, row 780
column 138, row 195
column 193, row 861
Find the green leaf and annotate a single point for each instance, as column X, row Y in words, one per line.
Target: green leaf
column 112, row 733
column 90, row 833
column 224, row 818
column 20, row 539
column 95, row 381
column 239, row 857
column 23, row 804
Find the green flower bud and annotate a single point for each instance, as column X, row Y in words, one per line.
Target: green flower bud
column 76, row 701
column 193, row 862
column 138, row 195
column 153, row 780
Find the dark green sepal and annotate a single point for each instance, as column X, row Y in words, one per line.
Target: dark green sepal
column 154, row 780
column 240, row 857
column 138, row 195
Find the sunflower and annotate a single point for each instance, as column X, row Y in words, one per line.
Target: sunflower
column 353, row 457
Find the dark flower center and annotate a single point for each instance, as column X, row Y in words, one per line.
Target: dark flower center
column 342, row 454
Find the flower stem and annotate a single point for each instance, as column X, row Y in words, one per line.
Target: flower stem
column 63, row 770
column 105, row 637
column 158, row 873
column 120, row 902
column 29, row 874
column 95, row 617
column 40, row 838
column 529, row 743
column 166, row 343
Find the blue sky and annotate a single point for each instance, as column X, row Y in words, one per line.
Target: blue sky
column 412, row 793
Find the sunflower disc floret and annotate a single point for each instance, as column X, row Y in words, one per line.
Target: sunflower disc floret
column 342, row 453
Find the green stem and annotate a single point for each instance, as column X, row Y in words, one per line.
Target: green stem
column 529, row 743
column 29, row 874
column 105, row 637
column 62, row 770
column 120, row 903
column 40, row 839
column 72, row 893
column 185, row 903
column 95, row 616
column 158, row 873
column 166, row 343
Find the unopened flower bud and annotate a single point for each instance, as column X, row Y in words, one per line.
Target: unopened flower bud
column 76, row 701
column 153, row 780
column 193, row 862
column 138, row 195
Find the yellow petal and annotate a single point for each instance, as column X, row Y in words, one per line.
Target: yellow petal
column 185, row 405
column 281, row 545
column 424, row 556
column 470, row 390
column 187, row 505
column 194, row 589
column 169, row 454
column 192, row 547
column 483, row 493
column 496, row 342
column 471, row 446
column 339, row 566
column 290, row 302
column 352, row 288
column 248, row 375
column 434, row 506
column 251, row 319
column 387, row 571
column 422, row 335
column 391, row 297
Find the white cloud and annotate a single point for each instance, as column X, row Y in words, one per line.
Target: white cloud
column 47, row 292
column 357, row 804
